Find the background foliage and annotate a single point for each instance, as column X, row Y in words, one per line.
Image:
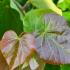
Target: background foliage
column 10, row 20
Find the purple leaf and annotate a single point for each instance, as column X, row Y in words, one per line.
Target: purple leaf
column 53, row 45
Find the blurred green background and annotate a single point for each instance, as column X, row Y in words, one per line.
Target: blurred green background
column 10, row 20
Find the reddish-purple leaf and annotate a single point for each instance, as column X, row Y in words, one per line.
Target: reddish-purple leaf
column 17, row 49
column 26, row 47
column 8, row 38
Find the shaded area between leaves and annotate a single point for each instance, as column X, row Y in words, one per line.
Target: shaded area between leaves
column 9, row 19
column 52, row 67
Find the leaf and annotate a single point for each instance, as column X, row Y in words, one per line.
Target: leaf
column 22, row 66
column 26, row 45
column 36, row 62
column 46, row 4
column 33, row 64
column 60, row 1
column 67, row 16
column 15, row 48
column 3, row 63
column 53, row 45
column 7, row 44
column 64, row 5
column 33, row 20
column 27, row 68
column 66, row 66
column 8, row 38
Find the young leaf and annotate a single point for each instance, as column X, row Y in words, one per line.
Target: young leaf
column 7, row 44
column 8, row 38
column 53, row 45
column 17, row 49
column 26, row 47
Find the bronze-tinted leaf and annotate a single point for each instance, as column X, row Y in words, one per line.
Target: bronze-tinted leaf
column 53, row 45
column 26, row 47
column 17, row 49
column 3, row 63
column 7, row 44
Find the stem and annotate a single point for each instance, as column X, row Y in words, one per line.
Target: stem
column 21, row 34
column 20, row 7
column 26, row 5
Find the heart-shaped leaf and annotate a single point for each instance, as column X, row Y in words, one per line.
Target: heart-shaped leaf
column 53, row 45
column 17, row 49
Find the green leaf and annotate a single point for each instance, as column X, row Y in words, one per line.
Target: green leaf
column 33, row 20
column 46, row 4
column 67, row 16
column 65, row 67
column 65, row 4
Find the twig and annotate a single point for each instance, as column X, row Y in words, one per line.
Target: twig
column 26, row 5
